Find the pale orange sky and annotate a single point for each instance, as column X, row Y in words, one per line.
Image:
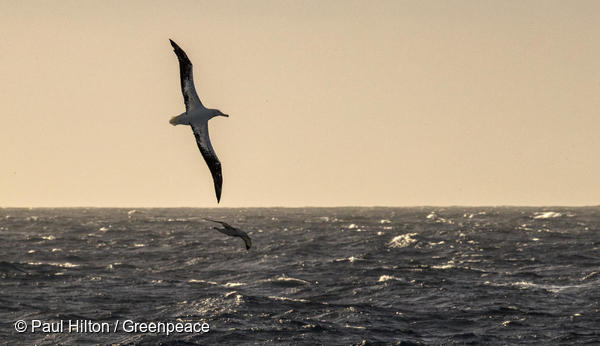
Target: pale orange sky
column 331, row 103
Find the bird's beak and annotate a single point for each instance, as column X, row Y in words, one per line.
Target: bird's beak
column 225, row 115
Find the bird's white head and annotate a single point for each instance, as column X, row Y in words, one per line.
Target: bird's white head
column 216, row 113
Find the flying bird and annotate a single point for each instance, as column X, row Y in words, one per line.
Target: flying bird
column 197, row 116
column 234, row 232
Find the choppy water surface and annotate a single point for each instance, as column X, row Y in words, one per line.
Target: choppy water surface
column 316, row 275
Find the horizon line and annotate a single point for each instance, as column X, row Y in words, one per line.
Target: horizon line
column 309, row 206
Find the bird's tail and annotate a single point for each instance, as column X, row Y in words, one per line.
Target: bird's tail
column 180, row 119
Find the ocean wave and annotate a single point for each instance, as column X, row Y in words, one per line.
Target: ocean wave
column 134, row 214
column 402, row 240
column 546, row 215
column 350, row 259
column 355, row 327
column 309, row 279
column 200, row 281
column 297, row 300
column 384, row 278
column 448, row 265
column 438, row 219
column 285, row 281
column 179, row 219
column 589, row 276
column 8, row 266
column 55, row 264
column 239, row 299
column 546, row 287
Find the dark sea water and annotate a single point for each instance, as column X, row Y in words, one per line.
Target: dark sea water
column 410, row 276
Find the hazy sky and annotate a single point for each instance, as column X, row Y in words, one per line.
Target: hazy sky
column 331, row 103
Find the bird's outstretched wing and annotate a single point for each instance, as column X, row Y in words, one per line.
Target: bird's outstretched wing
column 234, row 232
column 221, row 222
column 247, row 240
column 190, row 97
column 203, row 141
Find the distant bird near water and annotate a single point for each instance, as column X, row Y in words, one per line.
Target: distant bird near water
column 234, row 232
column 197, row 116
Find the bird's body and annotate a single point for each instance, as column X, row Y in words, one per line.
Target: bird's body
column 197, row 116
column 233, row 232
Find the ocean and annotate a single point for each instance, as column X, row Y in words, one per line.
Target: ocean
column 336, row 276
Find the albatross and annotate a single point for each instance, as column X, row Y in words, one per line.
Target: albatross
column 197, row 116
column 233, row 232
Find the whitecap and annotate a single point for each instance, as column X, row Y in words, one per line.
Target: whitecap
column 350, row 259
column 133, row 213
column 239, row 299
column 48, row 237
column 298, row 300
column 55, row 264
column 403, row 240
column 438, row 219
column 525, row 227
column 546, row 215
column 355, row 327
column 592, row 274
column 384, row 221
column 65, row 265
column 177, row 220
column 384, row 278
column 194, row 281
column 550, row 288
column 289, row 279
column 234, row 284
column 229, row 293
column 448, row 265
